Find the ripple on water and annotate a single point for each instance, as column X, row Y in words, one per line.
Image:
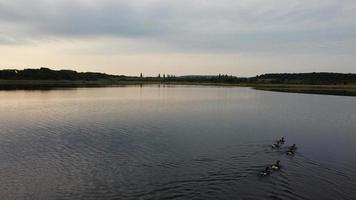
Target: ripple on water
column 141, row 143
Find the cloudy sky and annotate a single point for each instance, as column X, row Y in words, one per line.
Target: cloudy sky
column 239, row 37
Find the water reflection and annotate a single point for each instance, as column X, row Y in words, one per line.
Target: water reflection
column 174, row 142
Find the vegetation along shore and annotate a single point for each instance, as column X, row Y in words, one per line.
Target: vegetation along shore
column 314, row 83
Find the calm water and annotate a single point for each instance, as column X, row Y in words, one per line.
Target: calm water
column 174, row 142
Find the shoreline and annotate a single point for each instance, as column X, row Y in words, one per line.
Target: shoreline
column 340, row 90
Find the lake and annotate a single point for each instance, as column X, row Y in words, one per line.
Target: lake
column 175, row 142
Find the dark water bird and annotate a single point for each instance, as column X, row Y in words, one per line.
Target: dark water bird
column 277, row 145
column 276, row 166
column 266, row 172
column 282, row 140
column 290, row 153
column 292, row 148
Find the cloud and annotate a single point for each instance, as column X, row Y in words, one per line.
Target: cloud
column 185, row 25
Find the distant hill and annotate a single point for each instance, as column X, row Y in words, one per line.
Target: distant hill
column 48, row 74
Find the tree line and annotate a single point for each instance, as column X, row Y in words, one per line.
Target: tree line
column 48, row 74
column 306, row 78
column 282, row 78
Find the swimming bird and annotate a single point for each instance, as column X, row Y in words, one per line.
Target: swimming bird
column 292, row 148
column 265, row 172
column 276, row 166
column 276, row 145
column 282, row 140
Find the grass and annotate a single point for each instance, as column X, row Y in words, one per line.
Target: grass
column 343, row 90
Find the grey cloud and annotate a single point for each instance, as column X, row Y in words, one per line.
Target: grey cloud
column 226, row 25
column 76, row 19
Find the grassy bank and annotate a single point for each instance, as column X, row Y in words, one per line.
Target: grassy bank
column 344, row 90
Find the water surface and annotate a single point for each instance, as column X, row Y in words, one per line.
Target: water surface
column 175, row 142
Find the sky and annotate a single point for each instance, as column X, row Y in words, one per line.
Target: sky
column 238, row 37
